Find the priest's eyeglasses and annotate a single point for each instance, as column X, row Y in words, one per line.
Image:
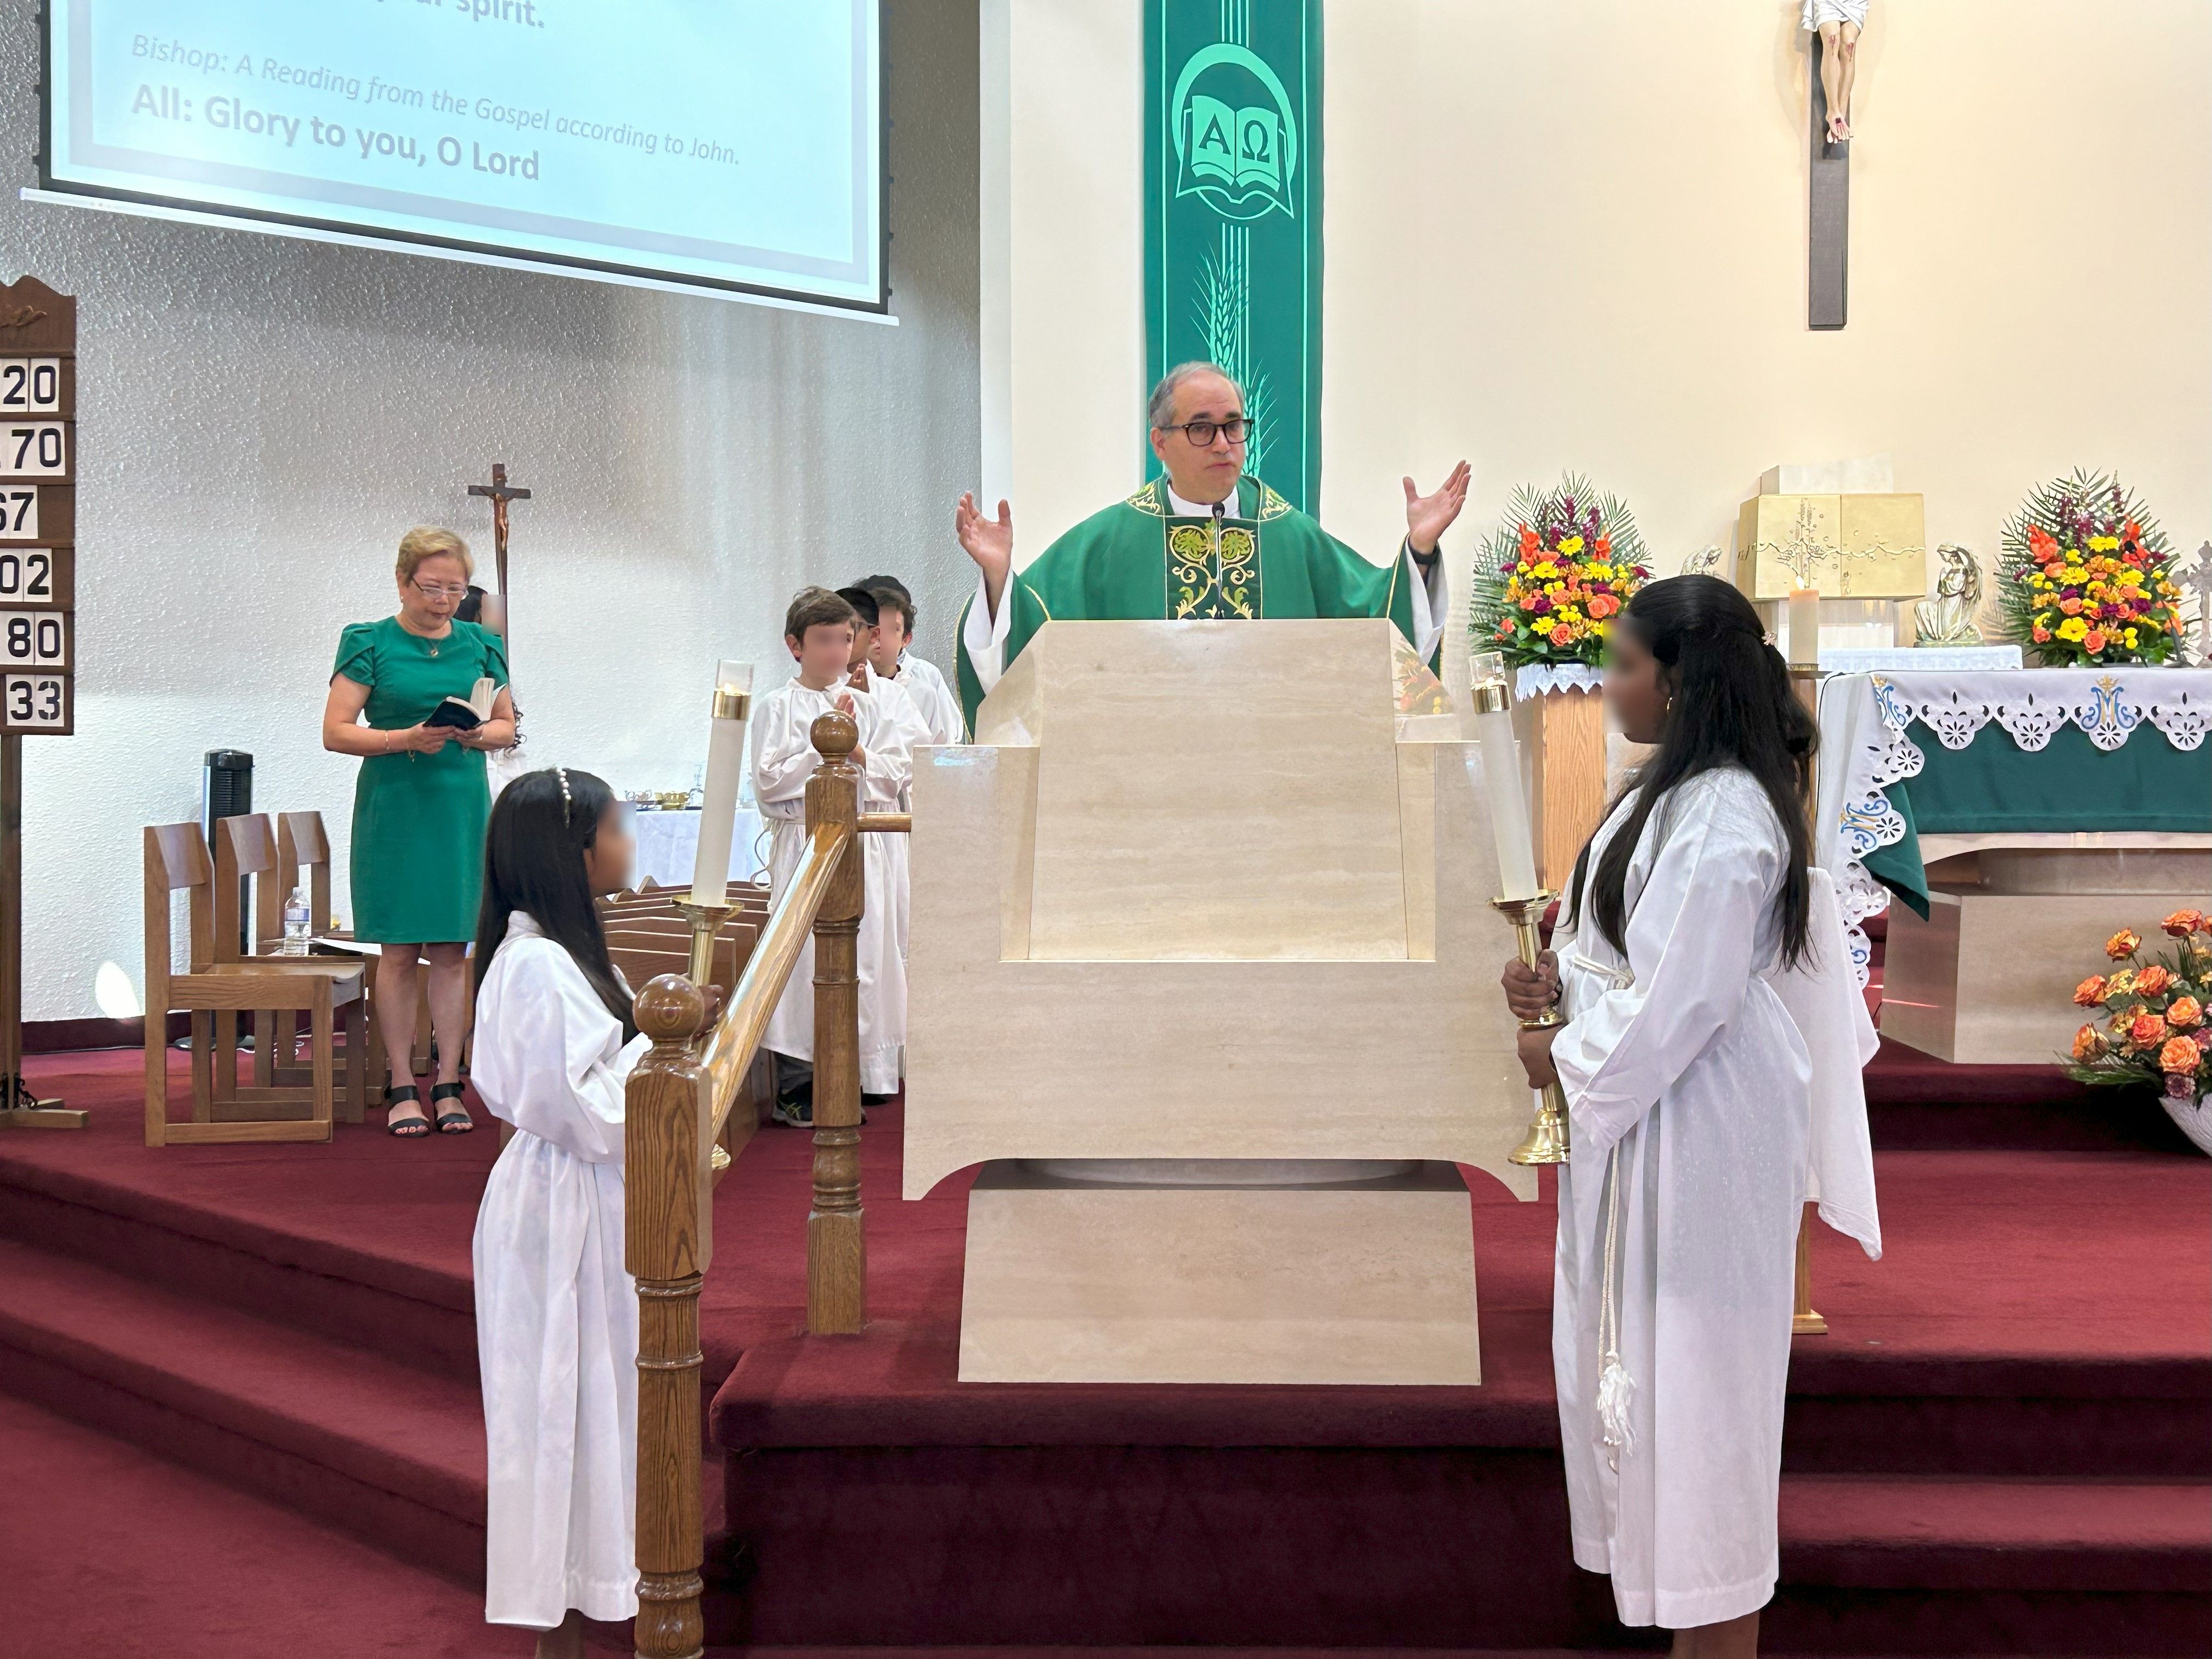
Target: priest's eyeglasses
column 1200, row 433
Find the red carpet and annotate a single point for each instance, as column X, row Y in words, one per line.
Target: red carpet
column 2002, row 1447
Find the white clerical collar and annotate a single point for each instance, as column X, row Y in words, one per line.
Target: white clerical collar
column 1182, row 509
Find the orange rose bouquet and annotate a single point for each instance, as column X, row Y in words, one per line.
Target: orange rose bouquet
column 2086, row 577
column 1549, row 584
column 2154, row 1028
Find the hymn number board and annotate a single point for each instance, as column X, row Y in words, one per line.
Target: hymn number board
column 38, row 510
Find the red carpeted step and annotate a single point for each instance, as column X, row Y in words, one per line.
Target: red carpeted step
column 1898, row 1533
column 390, row 1452
column 112, row 1550
column 1935, row 1566
column 365, row 1239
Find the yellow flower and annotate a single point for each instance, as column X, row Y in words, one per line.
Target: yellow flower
column 2073, row 628
column 1546, row 571
column 2130, row 636
column 1601, row 629
column 1573, row 545
column 2104, row 544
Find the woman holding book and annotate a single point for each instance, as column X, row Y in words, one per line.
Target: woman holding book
column 406, row 695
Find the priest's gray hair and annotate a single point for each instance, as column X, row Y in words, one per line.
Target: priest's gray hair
column 1159, row 409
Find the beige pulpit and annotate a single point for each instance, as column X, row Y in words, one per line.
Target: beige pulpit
column 1204, row 973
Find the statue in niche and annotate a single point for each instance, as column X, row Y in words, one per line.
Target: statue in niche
column 1948, row 618
column 1838, row 23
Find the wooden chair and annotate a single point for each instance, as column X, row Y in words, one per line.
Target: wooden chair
column 302, row 843
column 177, row 859
column 251, row 846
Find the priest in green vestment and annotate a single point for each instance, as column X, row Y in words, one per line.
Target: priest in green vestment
column 1203, row 542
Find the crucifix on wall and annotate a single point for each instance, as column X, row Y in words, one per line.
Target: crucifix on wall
column 1835, row 26
column 501, row 492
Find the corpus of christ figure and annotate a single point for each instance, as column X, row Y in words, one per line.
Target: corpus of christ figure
column 501, row 492
column 1205, row 540
column 1838, row 23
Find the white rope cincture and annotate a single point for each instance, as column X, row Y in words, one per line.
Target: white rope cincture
column 1615, row 1387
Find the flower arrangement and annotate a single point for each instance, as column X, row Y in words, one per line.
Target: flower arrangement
column 1549, row 583
column 2153, row 1027
column 2086, row 577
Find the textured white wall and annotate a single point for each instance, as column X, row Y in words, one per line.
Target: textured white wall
column 261, row 417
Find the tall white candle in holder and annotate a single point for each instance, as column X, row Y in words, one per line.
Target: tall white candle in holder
column 1804, row 628
column 1490, row 689
column 725, row 771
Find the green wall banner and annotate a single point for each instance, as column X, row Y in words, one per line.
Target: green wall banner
column 1233, row 215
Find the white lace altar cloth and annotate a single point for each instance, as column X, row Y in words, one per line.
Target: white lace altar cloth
column 1538, row 678
column 1865, row 748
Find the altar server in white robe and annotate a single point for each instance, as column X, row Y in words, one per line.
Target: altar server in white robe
column 819, row 630
column 898, row 699
column 1710, row 1063
column 894, row 658
column 556, row 1316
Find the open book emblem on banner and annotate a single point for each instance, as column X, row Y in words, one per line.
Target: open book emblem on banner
column 1234, row 152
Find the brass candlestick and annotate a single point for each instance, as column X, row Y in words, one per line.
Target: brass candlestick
column 1546, row 1139
column 706, row 921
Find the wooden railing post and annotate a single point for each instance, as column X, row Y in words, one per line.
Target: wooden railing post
column 665, row 1250
column 837, row 1245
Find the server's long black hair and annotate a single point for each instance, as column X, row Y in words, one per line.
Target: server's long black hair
column 1729, row 704
column 534, row 862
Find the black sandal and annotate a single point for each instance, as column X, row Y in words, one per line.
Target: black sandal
column 455, row 1122
column 407, row 1128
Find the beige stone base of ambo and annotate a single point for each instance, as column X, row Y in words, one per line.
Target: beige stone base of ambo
column 1104, row 1281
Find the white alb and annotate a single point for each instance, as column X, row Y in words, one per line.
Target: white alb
column 1710, row 1095
column 784, row 758
column 556, row 1316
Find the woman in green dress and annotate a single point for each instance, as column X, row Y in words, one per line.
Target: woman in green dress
column 420, row 808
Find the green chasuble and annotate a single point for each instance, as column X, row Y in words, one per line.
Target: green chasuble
column 1137, row 562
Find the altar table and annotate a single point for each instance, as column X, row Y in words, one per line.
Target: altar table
column 668, row 844
column 2007, row 758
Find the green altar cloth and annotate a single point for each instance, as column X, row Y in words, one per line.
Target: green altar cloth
column 1994, row 785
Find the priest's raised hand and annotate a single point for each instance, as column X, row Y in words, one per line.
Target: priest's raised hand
column 990, row 541
column 1206, row 540
column 1427, row 517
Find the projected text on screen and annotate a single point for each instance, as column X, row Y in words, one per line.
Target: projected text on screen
column 731, row 144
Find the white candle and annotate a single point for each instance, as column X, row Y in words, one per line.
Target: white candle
column 1501, row 776
column 1804, row 627
column 726, row 770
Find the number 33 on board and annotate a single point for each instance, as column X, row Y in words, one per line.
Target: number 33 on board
column 33, row 701
column 33, row 452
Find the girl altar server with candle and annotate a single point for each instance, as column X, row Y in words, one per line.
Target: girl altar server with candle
column 557, row 1315
column 1710, row 1062
column 819, row 630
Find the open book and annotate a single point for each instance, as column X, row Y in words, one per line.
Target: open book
column 1241, row 147
column 469, row 712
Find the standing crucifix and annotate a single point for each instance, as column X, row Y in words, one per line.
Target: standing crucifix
column 2199, row 582
column 501, row 492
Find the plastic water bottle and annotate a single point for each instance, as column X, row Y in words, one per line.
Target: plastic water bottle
column 296, row 928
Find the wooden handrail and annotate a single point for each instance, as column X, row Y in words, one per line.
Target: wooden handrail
column 677, row 1100
column 889, row 824
column 736, row 1037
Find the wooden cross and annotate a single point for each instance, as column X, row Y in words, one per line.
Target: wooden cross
column 502, row 493
column 1827, row 261
column 2199, row 582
